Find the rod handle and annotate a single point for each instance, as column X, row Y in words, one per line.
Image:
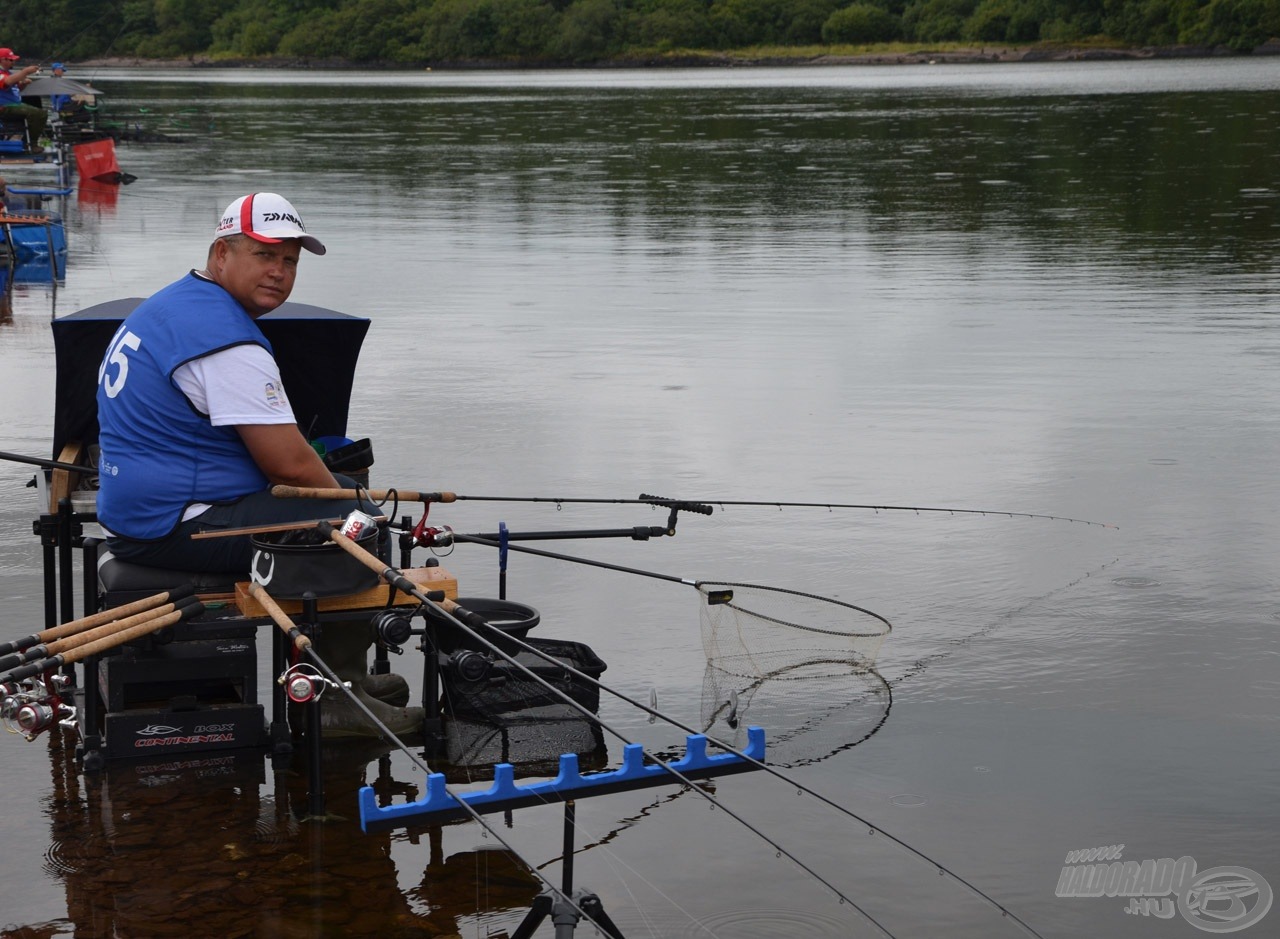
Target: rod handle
column 279, row 616
column 404, row 495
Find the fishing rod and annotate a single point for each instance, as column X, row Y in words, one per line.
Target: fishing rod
column 705, row 504
column 34, row 695
column 302, row 644
column 143, row 624
column 713, row 598
column 714, row 593
column 97, row 619
column 47, row 464
column 55, row 646
column 111, row 8
column 469, row 622
column 464, row 619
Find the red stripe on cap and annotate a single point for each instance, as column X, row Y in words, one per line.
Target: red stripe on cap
column 246, row 214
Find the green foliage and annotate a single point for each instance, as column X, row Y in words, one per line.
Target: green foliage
column 1240, row 25
column 589, row 30
column 669, row 24
column 417, row 32
column 861, row 23
column 769, row 22
column 936, row 20
column 1019, row 21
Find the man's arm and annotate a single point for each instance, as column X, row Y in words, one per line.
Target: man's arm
column 284, row 455
column 20, row 76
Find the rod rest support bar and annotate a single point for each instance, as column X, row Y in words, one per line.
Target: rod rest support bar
column 639, row 533
column 438, row 805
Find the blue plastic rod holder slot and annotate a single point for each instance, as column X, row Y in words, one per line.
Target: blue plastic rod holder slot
column 438, row 805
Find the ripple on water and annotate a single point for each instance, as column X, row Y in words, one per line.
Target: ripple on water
column 78, row 855
column 1135, row 582
column 765, row 924
column 909, row 800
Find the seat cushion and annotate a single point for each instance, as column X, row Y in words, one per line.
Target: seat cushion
column 123, row 581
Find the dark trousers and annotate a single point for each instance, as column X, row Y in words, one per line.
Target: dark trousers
column 36, row 118
column 232, row 554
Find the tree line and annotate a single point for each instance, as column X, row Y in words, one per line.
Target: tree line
column 528, row 32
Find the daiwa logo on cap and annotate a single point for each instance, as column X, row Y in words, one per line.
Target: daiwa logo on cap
column 267, row 217
column 283, row 217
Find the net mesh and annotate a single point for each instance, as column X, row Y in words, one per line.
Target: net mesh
column 811, row 709
column 762, row 630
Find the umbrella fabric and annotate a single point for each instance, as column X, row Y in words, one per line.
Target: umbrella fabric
column 53, row 85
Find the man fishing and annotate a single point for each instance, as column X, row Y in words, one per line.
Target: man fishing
column 11, row 106
column 196, row 427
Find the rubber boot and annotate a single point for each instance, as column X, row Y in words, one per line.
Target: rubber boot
column 344, row 647
column 388, row 688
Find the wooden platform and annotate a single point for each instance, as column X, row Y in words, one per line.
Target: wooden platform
column 428, row 578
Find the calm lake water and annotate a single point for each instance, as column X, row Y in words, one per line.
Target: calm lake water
column 1035, row 288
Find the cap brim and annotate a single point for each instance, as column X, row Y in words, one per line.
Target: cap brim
column 310, row 242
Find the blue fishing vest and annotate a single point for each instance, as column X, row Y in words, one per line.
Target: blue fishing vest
column 9, row 94
column 159, row 454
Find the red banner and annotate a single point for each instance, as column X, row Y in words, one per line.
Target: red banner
column 97, row 158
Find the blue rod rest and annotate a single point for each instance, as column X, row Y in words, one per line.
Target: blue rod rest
column 437, row 805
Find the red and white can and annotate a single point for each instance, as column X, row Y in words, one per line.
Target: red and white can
column 356, row 524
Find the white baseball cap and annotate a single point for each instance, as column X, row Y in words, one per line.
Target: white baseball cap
column 268, row 217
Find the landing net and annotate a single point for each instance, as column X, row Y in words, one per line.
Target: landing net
column 812, row 708
column 761, row 630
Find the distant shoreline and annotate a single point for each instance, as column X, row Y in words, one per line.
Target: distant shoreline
column 741, row 59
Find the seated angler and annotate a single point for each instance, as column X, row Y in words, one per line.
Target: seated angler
column 11, row 106
column 196, row 426
column 59, row 102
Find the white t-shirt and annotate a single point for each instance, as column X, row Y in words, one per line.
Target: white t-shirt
column 240, row 385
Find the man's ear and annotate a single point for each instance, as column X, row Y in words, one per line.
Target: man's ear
column 221, row 248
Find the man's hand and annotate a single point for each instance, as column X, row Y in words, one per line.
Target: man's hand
column 284, row 456
column 21, row 77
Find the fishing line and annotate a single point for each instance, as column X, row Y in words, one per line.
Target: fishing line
column 921, row 664
column 111, row 8
column 662, row 501
column 654, row 712
column 594, row 718
column 873, row 828
column 815, row 720
column 702, row 506
column 760, row 765
column 392, row 576
column 303, row 645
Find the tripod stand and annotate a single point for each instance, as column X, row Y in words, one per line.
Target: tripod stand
column 566, row 913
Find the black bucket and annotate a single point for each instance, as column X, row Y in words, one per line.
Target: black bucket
column 494, row 690
column 291, row 563
column 513, row 619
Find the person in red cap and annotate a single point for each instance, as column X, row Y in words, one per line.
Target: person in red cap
column 195, row 421
column 11, row 106
column 196, row 426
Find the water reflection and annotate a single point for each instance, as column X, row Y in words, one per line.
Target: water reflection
column 1045, row 290
column 256, row 865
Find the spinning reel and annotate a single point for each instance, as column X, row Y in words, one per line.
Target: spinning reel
column 32, row 706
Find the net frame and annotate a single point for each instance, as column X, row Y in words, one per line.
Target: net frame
column 760, row 629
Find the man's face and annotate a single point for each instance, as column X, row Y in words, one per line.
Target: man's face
column 259, row 275
column 7, row 63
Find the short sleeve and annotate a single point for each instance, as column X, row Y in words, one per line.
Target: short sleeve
column 240, row 385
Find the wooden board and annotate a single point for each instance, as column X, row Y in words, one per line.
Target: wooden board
column 63, row 482
column 428, row 578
